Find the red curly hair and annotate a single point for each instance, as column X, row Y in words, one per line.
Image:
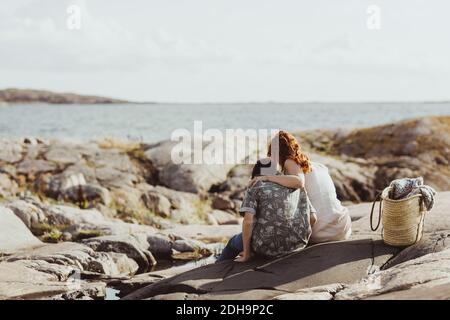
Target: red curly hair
column 290, row 149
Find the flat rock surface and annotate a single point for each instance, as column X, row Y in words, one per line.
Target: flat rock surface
column 70, row 254
column 20, row 281
column 14, row 235
column 439, row 292
column 10, row 151
column 427, row 271
column 344, row 262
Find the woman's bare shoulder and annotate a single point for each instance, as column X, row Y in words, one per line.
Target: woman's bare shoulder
column 290, row 165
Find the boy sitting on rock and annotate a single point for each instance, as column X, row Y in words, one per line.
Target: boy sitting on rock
column 276, row 220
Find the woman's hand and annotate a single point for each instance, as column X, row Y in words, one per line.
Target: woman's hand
column 243, row 257
column 256, row 179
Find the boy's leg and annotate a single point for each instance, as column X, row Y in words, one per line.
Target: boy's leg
column 232, row 249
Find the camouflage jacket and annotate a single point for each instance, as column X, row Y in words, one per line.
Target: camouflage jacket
column 282, row 218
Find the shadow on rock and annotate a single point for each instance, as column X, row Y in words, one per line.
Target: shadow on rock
column 343, row 262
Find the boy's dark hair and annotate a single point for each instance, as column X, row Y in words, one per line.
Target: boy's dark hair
column 257, row 168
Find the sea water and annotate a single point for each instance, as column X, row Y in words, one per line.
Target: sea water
column 156, row 122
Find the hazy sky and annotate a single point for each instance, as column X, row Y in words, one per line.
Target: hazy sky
column 229, row 50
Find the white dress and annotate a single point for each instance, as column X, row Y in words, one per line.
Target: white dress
column 333, row 221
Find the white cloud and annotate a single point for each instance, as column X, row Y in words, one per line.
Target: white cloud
column 226, row 50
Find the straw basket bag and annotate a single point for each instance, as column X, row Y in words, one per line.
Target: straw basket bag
column 402, row 219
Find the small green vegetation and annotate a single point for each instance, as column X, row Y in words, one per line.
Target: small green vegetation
column 43, row 228
column 137, row 153
column 88, row 233
column 53, row 236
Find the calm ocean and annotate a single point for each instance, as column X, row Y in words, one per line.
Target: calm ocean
column 155, row 122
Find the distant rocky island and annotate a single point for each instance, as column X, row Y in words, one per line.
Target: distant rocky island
column 14, row 95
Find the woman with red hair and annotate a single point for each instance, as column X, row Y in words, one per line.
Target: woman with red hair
column 285, row 152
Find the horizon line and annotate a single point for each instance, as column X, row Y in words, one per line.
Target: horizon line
column 269, row 101
column 293, row 102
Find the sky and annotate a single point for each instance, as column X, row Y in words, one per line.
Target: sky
column 229, row 50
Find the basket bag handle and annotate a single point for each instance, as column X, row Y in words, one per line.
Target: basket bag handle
column 379, row 212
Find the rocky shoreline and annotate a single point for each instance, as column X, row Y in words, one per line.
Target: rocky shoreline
column 78, row 218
